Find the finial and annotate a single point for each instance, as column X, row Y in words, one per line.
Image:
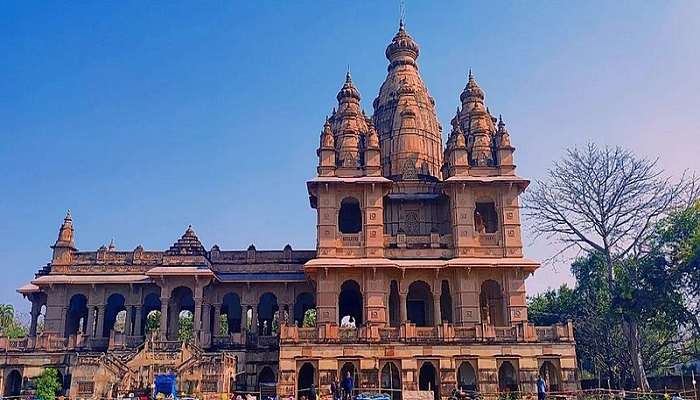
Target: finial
column 348, row 78
column 402, row 13
column 111, row 246
column 68, row 217
column 471, row 76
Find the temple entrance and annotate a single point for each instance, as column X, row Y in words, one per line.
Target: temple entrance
column 390, row 381
column 13, row 384
column 231, row 315
column 76, row 317
column 182, row 314
column 466, row 377
column 350, row 303
column 446, row 302
column 268, row 315
column 350, row 368
column 427, row 379
column 550, row 374
column 115, row 306
column 394, row 300
column 150, row 314
column 419, row 304
column 304, row 302
column 507, row 377
column 493, row 310
column 305, row 378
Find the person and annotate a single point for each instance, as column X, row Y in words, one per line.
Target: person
column 348, row 385
column 335, row 388
column 541, row 388
column 312, row 392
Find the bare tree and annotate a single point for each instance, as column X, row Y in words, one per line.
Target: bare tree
column 605, row 200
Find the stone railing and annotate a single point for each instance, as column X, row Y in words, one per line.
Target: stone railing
column 489, row 239
column 350, row 239
column 410, row 333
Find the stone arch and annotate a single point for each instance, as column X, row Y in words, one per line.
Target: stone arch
column 76, row 316
column 267, row 376
column 350, row 216
column 485, row 217
column 428, row 379
column 350, row 302
column 231, row 308
column 151, row 306
column 550, row 373
column 114, row 309
column 466, row 377
column 13, row 383
column 492, row 304
column 268, row 314
column 507, row 377
column 446, row 302
column 394, row 304
column 304, row 301
column 305, row 378
column 353, row 369
column 182, row 302
column 390, row 380
column 419, row 304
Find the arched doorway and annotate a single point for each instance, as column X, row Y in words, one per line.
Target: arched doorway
column 550, row 373
column 446, row 302
column 76, row 317
column 428, row 379
column 181, row 314
column 466, row 377
column 268, row 315
column 13, row 383
column 492, row 303
column 115, row 314
column 304, row 302
column 231, row 313
column 350, row 368
column 150, row 314
column 350, row 302
column 350, row 216
column 507, row 377
column 390, row 381
column 266, row 377
column 419, row 304
column 394, row 300
column 305, row 378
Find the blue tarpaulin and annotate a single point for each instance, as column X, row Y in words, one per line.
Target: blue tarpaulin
column 165, row 383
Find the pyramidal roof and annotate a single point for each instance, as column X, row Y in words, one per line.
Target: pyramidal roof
column 188, row 244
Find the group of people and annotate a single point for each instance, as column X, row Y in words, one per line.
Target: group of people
column 343, row 391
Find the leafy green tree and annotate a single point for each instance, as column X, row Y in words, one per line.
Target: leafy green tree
column 223, row 325
column 185, row 328
column 47, row 384
column 10, row 325
column 152, row 321
column 309, row 318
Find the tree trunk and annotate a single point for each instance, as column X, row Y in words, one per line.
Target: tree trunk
column 631, row 331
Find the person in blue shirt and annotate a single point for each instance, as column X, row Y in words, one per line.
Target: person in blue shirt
column 348, row 385
column 541, row 388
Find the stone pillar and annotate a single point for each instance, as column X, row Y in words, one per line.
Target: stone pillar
column 217, row 319
column 92, row 331
column 137, row 320
column 403, row 316
column 197, row 323
column 437, row 313
column 173, row 320
column 127, row 322
column 254, row 319
column 206, row 325
column 99, row 332
column 164, row 318
column 36, row 309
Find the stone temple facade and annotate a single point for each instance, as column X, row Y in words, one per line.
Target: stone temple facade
column 417, row 279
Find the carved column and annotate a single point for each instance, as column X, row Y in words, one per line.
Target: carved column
column 92, row 331
column 197, row 319
column 437, row 313
column 254, row 319
column 217, row 319
column 403, row 317
column 137, row 320
column 36, row 309
column 99, row 332
column 164, row 317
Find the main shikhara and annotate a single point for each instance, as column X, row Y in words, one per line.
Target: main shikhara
column 419, row 252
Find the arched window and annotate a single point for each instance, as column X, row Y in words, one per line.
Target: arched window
column 350, row 216
column 485, row 218
column 13, row 384
column 428, row 379
column 182, row 314
column 303, row 303
column 394, row 300
column 267, row 377
column 550, row 373
column 390, row 381
column 305, row 378
column 507, row 377
column 231, row 311
column 150, row 314
column 350, row 303
column 446, row 302
column 76, row 317
column 419, row 304
column 492, row 303
column 466, row 377
column 268, row 314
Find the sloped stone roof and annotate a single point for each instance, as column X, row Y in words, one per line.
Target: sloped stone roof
column 188, row 244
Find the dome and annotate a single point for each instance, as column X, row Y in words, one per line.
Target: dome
column 402, row 49
column 348, row 90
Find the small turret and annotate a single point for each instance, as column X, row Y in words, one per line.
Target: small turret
column 505, row 150
column 456, row 154
column 326, row 151
column 65, row 245
column 348, row 122
column 478, row 124
column 372, row 156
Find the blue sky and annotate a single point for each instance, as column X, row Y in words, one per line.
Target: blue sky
column 144, row 117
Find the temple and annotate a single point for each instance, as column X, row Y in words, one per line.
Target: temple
column 417, row 282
